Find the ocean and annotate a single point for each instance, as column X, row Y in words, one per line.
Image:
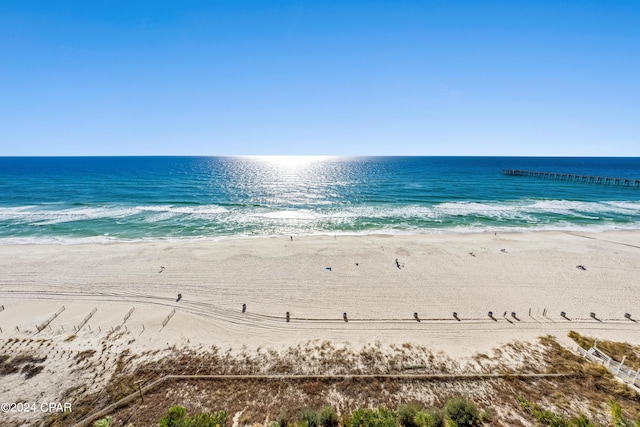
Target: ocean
column 104, row 199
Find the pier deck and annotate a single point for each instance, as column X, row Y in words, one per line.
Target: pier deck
column 572, row 177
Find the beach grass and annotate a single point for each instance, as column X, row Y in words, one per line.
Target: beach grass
column 292, row 400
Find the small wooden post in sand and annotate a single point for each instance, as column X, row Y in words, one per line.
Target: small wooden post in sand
column 139, row 388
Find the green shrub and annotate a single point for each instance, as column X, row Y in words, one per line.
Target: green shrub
column 462, row 412
column 175, row 417
column 423, row 419
column 374, row 418
column 581, row 421
column 345, row 420
column 549, row 418
column 105, row 422
column 616, row 414
column 207, row 419
column 361, row 418
column 438, row 417
column 407, row 414
column 309, row 417
column 329, row 417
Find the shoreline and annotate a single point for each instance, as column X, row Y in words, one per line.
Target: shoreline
column 107, row 240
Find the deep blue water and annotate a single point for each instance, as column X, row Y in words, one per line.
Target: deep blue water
column 71, row 199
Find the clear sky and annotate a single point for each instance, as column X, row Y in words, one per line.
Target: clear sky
column 320, row 77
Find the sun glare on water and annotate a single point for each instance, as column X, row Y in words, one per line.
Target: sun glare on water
column 290, row 162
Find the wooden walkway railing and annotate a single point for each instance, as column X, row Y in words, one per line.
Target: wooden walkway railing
column 618, row 369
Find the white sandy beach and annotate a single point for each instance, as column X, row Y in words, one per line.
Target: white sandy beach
column 535, row 272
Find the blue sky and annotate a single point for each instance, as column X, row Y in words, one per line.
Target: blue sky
column 324, row 77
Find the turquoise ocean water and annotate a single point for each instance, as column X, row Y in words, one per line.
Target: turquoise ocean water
column 76, row 199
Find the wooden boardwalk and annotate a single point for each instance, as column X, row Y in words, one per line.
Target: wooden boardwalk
column 572, row 177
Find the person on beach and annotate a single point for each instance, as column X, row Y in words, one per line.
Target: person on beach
column 397, row 263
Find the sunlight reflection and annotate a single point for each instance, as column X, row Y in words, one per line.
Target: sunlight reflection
column 290, row 162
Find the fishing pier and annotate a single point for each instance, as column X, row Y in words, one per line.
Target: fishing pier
column 572, row 177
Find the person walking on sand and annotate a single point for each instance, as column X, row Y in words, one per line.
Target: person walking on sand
column 397, row 263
